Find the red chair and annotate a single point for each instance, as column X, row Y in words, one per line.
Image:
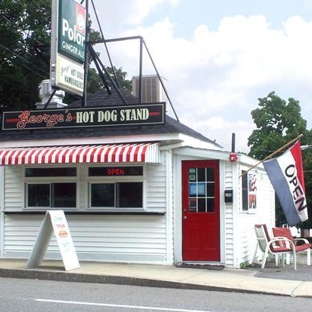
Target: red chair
column 305, row 246
column 275, row 246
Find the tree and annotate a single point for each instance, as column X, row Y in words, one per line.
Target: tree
column 25, row 54
column 24, row 26
column 95, row 83
column 277, row 123
column 120, row 76
column 307, row 167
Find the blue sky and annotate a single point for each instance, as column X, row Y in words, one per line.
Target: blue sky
column 217, row 57
column 189, row 14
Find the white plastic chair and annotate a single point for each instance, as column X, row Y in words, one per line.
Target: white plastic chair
column 275, row 246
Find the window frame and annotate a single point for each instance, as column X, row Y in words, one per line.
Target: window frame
column 50, row 180
column 246, row 193
column 114, row 180
column 201, row 181
column 83, row 182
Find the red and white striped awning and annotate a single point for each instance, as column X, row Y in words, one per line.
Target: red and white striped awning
column 121, row 153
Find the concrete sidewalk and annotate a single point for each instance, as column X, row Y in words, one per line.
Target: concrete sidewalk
column 239, row 280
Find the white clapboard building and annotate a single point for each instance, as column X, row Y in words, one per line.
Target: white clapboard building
column 140, row 192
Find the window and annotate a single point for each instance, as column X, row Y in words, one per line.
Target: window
column 116, row 187
column 50, row 172
column 119, row 195
column 201, row 189
column 249, row 191
column 50, row 187
column 244, row 191
column 102, row 195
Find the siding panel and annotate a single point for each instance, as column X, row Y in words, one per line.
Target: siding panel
column 13, row 186
column 229, row 218
column 103, row 238
column 156, row 186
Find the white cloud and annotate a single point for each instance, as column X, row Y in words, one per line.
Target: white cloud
column 116, row 16
column 215, row 78
column 217, row 126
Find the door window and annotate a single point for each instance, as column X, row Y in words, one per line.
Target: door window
column 201, row 186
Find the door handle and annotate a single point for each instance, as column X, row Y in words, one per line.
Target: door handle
column 184, row 217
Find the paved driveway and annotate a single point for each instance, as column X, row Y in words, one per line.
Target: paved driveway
column 303, row 272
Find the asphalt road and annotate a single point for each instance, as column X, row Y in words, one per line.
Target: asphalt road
column 18, row 295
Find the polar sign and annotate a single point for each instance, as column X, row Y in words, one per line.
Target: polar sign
column 72, row 29
column 68, row 34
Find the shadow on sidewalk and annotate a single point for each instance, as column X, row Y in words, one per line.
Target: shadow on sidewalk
column 303, row 272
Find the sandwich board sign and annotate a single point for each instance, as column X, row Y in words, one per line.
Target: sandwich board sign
column 54, row 222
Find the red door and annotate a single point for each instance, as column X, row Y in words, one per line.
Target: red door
column 200, row 211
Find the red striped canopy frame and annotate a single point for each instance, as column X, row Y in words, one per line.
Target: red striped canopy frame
column 120, row 153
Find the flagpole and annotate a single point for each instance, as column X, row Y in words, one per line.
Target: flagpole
column 272, row 154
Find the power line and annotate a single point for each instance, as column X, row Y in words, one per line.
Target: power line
column 41, row 75
column 25, row 35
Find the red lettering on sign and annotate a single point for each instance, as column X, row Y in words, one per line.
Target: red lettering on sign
column 115, row 171
column 50, row 120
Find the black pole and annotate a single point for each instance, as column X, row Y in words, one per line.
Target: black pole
column 50, row 98
column 96, row 62
column 233, row 143
column 162, row 84
column 151, row 59
column 95, row 57
column 140, row 70
column 106, row 48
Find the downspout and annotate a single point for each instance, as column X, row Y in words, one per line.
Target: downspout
column 169, row 208
column 235, row 208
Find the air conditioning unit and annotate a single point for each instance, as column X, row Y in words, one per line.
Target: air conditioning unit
column 152, row 90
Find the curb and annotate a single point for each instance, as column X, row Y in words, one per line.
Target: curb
column 118, row 280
